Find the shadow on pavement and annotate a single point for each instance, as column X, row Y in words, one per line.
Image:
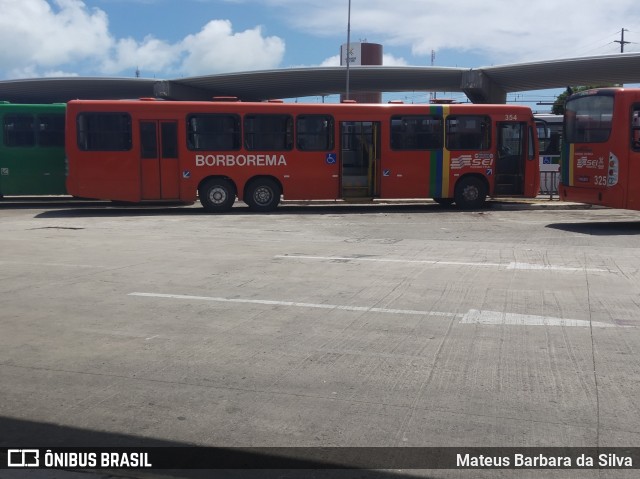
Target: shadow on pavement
column 339, row 209
column 610, row 228
column 17, row 433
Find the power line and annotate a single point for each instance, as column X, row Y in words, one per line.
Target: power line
column 598, row 47
column 621, row 41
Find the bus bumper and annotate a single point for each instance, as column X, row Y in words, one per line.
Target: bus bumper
column 602, row 197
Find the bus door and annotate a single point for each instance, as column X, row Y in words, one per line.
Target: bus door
column 511, row 157
column 360, row 159
column 159, row 160
column 633, row 175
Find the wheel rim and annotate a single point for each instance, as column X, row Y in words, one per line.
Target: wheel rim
column 217, row 195
column 470, row 193
column 263, row 195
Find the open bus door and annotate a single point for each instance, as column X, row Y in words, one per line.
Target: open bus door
column 512, row 157
column 360, row 159
column 159, row 160
column 633, row 176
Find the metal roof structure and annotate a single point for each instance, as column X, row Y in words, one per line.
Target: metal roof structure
column 481, row 85
column 61, row 90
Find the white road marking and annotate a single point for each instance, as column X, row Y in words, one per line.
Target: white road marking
column 475, row 316
column 367, row 309
column 51, row 264
column 509, row 266
column 548, row 267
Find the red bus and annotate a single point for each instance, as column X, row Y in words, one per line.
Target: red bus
column 141, row 150
column 601, row 149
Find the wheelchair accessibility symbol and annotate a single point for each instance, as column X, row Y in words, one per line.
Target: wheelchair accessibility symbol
column 331, row 159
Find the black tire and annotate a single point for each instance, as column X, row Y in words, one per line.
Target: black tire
column 262, row 194
column 217, row 195
column 470, row 193
column 445, row 202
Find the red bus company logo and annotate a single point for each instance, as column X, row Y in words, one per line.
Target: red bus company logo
column 23, row 458
column 585, row 162
column 467, row 161
column 241, row 160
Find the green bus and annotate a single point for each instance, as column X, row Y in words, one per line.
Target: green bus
column 32, row 155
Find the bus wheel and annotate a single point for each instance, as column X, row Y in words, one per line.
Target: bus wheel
column 262, row 194
column 470, row 193
column 217, row 195
column 446, row 202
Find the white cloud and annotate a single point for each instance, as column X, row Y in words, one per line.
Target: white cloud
column 333, row 61
column 150, row 55
column 40, row 36
column 35, row 34
column 216, row 48
column 521, row 30
column 388, row 60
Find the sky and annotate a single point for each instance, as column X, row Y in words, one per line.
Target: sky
column 168, row 39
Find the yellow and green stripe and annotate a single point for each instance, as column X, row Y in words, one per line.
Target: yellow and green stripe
column 568, row 164
column 439, row 161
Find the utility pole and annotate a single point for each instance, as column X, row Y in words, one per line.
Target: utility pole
column 348, row 48
column 621, row 41
column 433, row 62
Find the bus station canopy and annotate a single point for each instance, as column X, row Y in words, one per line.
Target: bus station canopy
column 481, row 85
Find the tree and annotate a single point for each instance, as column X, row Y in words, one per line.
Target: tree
column 558, row 105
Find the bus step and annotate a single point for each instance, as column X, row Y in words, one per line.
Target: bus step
column 357, row 199
column 355, row 192
column 507, row 189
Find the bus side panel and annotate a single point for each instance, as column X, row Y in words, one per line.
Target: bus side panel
column 311, row 176
column 405, row 174
column 33, row 169
column 632, row 181
column 584, row 175
column 110, row 175
column 587, row 176
column 104, row 176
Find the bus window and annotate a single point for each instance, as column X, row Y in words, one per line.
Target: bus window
column 51, row 130
column 268, row 132
column 314, row 132
column 148, row 140
column 19, row 131
column 169, row 131
column 588, row 119
column 416, row 133
column 213, row 132
column 468, row 132
column 531, row 152
column 104, row 131
column 635, row 128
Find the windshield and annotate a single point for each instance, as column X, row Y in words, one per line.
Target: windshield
column 588, row 118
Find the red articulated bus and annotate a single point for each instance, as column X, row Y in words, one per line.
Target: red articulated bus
column 601, row 149
column 140, row 150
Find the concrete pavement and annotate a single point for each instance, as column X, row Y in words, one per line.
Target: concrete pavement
column 378, row 325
